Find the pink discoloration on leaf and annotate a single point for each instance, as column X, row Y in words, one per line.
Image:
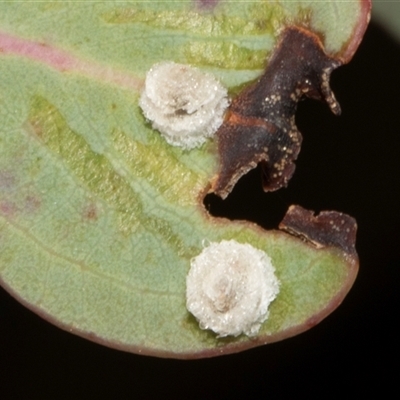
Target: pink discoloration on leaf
column 207, row 4
column 7, row 208
column 62, row 61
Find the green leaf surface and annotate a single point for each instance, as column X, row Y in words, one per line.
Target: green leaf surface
column 99, row 216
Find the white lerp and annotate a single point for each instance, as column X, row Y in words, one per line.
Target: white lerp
column 230, row 287
column 184, row 104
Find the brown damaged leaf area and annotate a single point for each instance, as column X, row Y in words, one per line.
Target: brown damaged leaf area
column 260, row 124
column 328, row 229
column 260, row 128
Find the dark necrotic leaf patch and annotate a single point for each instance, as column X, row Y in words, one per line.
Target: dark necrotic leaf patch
column 260, row 124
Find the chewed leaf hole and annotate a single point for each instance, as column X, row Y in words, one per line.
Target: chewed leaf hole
column 248, row 201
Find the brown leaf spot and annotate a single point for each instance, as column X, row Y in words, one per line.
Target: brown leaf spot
column 36, row 127
column 90, row 212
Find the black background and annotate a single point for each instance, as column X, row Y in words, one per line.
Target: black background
column 348, row 163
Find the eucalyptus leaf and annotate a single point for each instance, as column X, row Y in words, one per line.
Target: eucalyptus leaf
column 99, row 215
